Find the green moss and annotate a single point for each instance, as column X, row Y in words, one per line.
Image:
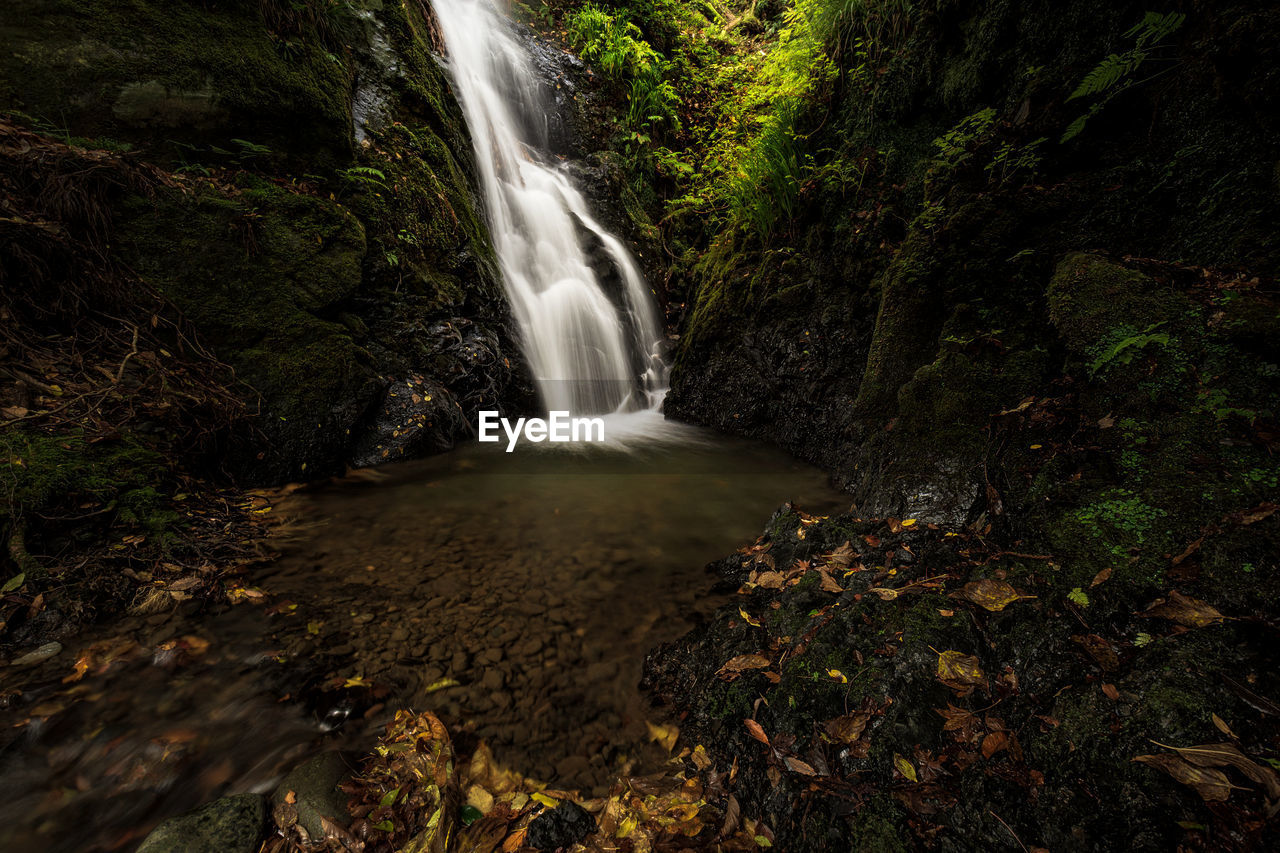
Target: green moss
column 1094, row 303
column 51, row 475
column 260, row 275
column 162, row 72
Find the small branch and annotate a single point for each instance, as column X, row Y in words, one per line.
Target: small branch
column 132, row 352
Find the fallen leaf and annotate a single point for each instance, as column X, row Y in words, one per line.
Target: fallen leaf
column 960, row 671
column 990, row 594
column 1100, row 577
column 905, row 767
column 795, row 765
column 753, row 729
column 734, row 667
column 1110, row 691
column 1186, row 611
column 746, row 617
column 838, row 676
column 1228, row 755
column 848, row 728
column 955, row 719
column 700, row 758
column 666, row 736
column 842, row 557
column 770, row 580
column 829, row 583
column 993, row 743
column 1212, row 785
column 1221, row 725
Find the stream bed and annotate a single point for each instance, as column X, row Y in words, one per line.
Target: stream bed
column 515, row 595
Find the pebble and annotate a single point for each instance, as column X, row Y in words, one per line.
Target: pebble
column 38, row 654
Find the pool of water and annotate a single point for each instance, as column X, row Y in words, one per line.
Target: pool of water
column 514, row 594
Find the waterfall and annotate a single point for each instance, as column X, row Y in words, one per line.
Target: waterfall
column 590, row 351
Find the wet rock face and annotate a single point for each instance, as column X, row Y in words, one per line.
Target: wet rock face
column 325, row 293
column 417, row 417
column 229, row 825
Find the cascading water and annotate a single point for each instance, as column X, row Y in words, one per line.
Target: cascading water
column 589, row 353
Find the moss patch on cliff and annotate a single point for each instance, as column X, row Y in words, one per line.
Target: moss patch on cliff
column 188, row 78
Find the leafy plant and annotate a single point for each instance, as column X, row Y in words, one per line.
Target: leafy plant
column 1113, row 76
column 364, row 176
column 1126, row 349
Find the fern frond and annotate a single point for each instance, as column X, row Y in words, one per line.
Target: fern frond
column 1108, row 73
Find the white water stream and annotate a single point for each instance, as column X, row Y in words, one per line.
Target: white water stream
column 590, row 351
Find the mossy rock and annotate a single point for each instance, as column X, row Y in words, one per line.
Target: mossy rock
column 263, row 277
column 171, row 74
column 1091, row 297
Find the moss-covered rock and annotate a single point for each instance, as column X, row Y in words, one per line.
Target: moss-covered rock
column 187, row 78
column 321, row 230
column 263, row 276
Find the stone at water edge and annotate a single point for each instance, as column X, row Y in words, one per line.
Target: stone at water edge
column 38, row 654
column 563, row 826
column 229, row 825
column 315, row 787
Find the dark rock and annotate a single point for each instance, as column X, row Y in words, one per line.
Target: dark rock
column 561, row 828
column 230, row 825
column 315, row 788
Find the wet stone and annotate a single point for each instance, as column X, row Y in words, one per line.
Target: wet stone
column 229, row 825
column 563, row 826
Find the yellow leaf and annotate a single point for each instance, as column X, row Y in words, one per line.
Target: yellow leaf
column 908, row 522
column 441, row 684
column 539, row 797
column 905, row 767
column 959, row 671
column 838, row 676
column 664, row 735
column 991, row 594
column 746, row 617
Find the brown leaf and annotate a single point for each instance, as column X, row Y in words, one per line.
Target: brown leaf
column 740, row 664
column 1228, row 755
column 795, row 765
column 771, row 580
column 1184, row 610
column 829, row 583
column 753, row 729
column 1100, row 577
column 1221, row 725
column 732, row 817
column 1110, row 691
column 1100, row 650
column 1211, row 785
column 847, row 729
column 842, row 557
column 955, row 718
column 990, row 594
column 993, row 743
